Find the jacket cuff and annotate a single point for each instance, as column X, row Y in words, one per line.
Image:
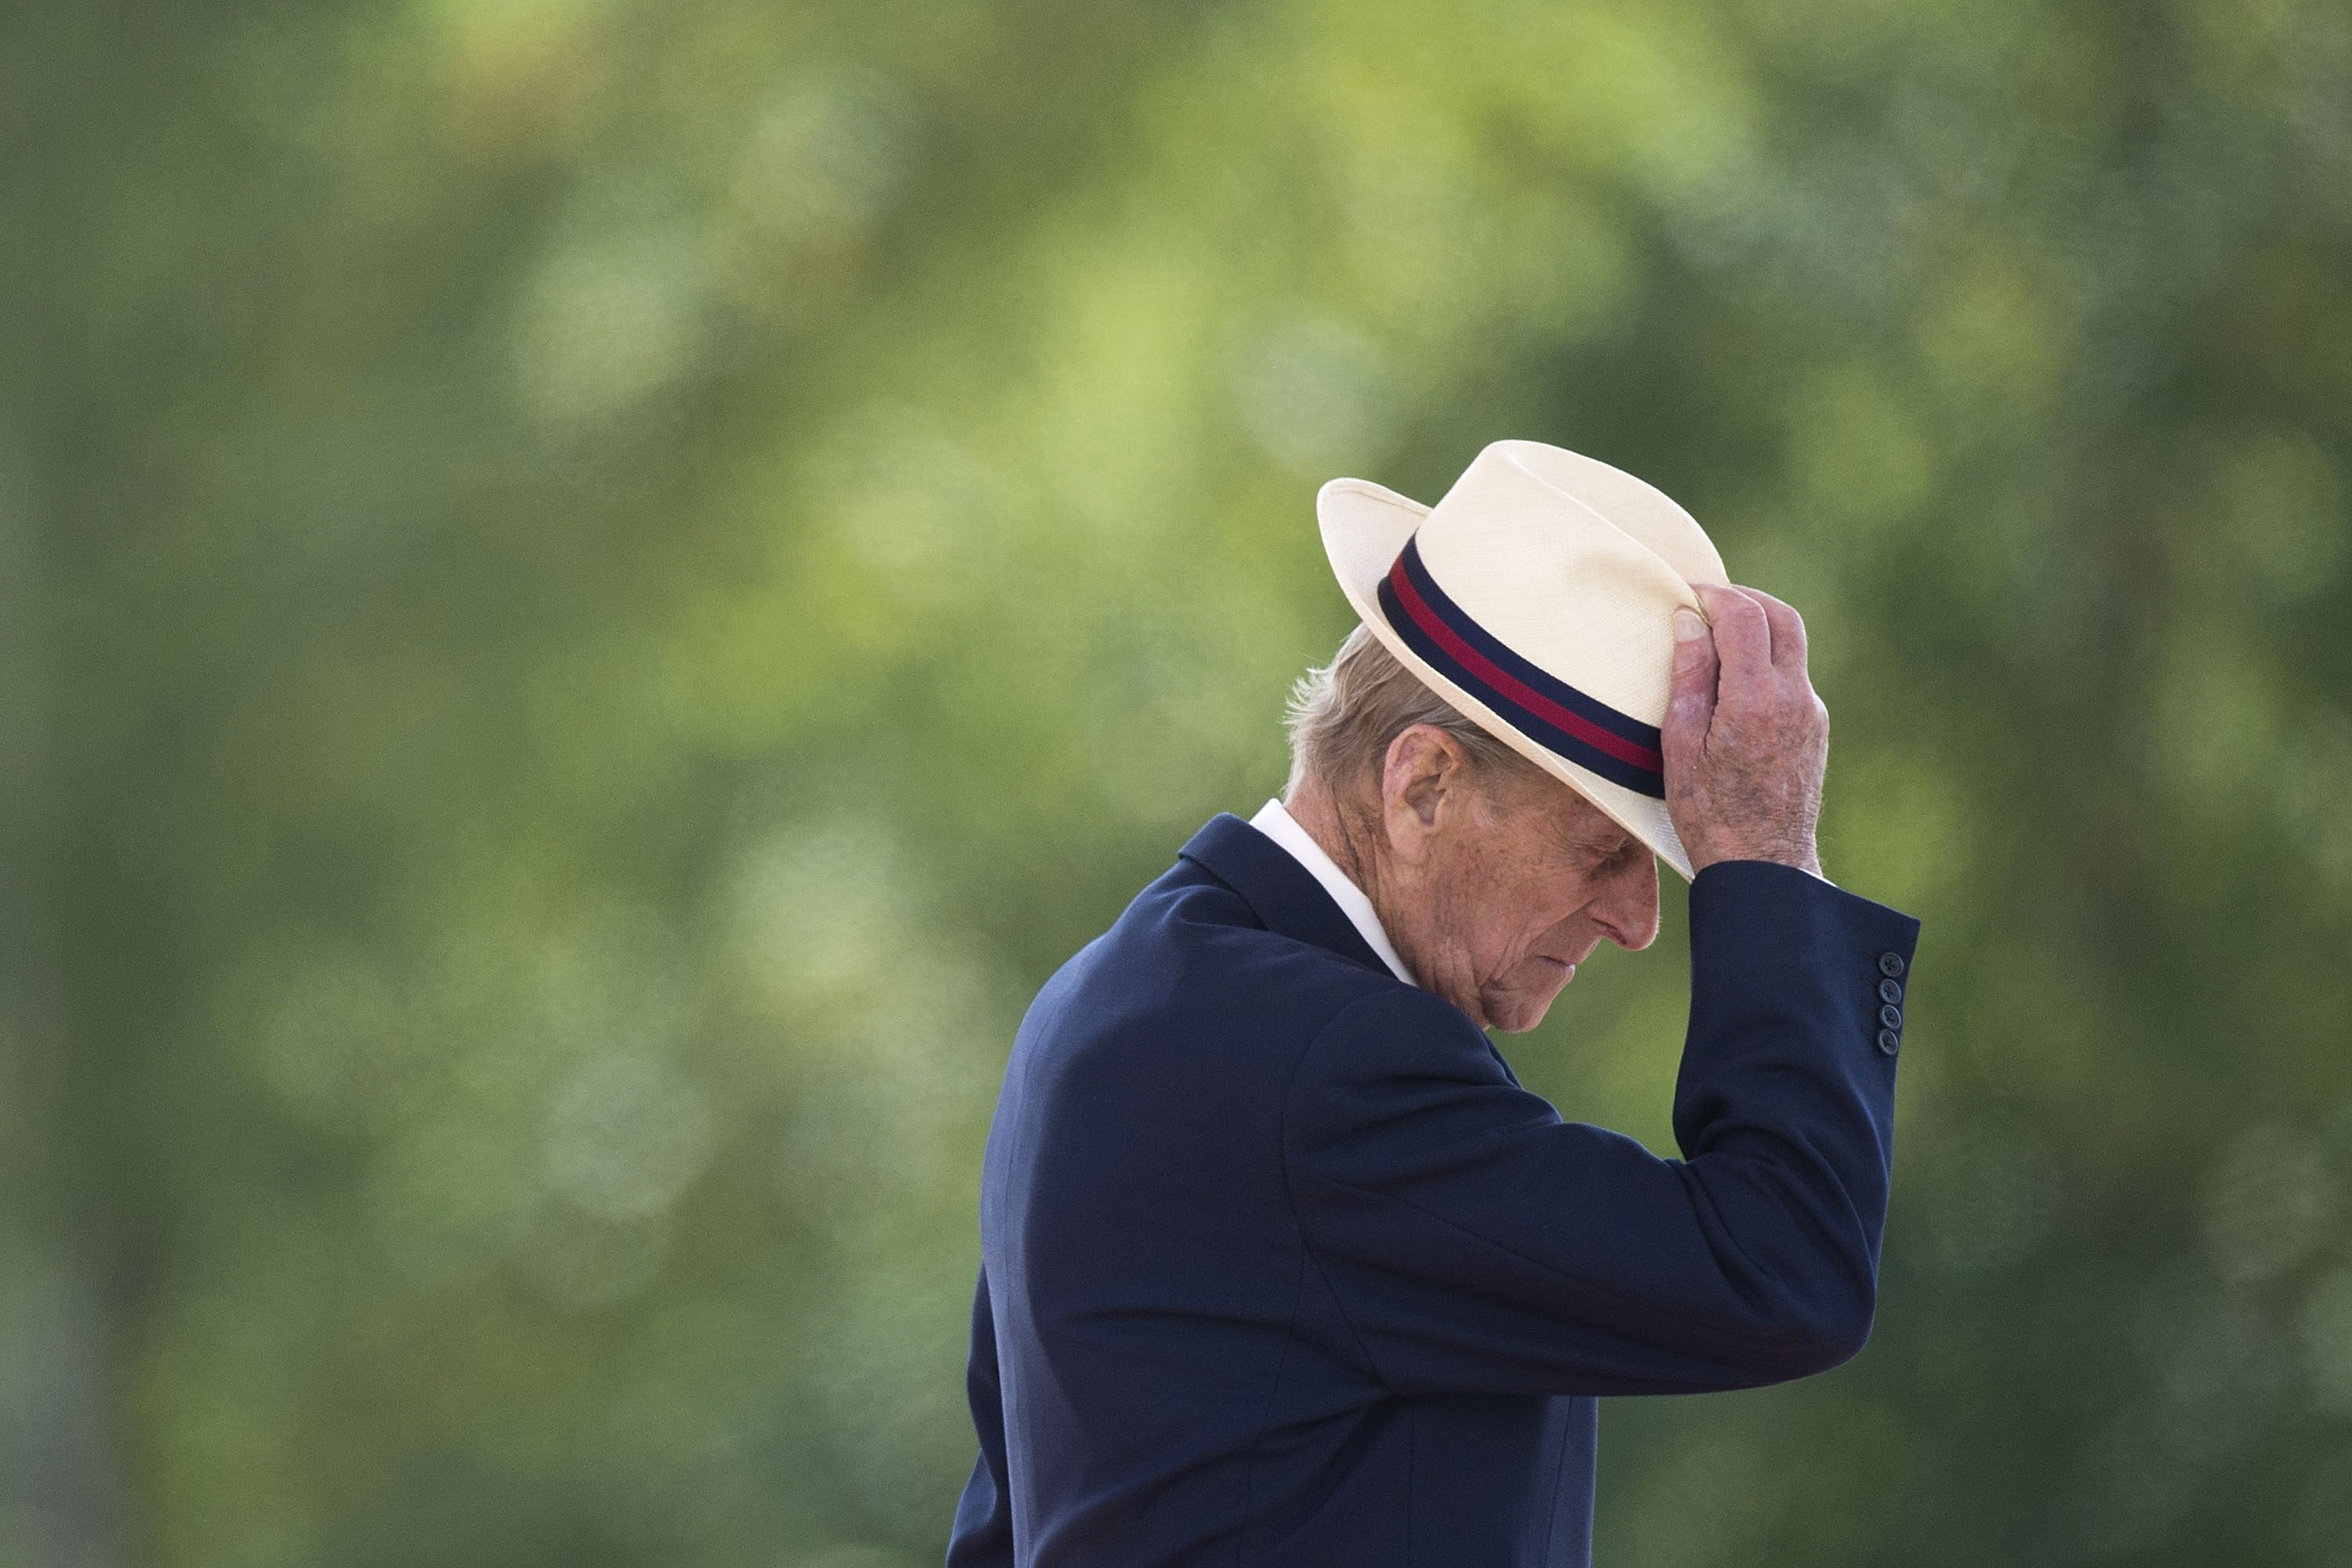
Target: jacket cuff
column 1755, row 925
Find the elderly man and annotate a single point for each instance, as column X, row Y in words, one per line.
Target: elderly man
column 1280, row 1264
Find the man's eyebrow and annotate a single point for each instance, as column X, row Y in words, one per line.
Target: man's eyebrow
column 1616, row 843
column 1607, row 840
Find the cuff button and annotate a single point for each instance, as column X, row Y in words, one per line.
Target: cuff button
column 1891, row 1016
column 1886, row 1041
column 1890, row 964
column 1890, row 991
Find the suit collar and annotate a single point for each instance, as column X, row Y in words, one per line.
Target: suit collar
column 1282, row 893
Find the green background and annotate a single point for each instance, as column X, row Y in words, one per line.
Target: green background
column 593, row 593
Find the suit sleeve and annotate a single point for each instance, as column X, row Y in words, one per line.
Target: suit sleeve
column 983, row 1535
column 1477, row 1243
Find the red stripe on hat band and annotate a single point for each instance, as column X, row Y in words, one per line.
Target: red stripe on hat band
column 1534, row 701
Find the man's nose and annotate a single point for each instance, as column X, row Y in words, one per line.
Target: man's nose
column 1627, row 908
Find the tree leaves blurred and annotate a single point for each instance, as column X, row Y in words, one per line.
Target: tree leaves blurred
column 592, row 594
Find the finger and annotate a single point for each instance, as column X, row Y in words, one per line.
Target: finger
column 1690, row 700
column 1788, row 631
column 1743, row 638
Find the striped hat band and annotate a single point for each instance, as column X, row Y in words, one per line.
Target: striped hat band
column 1588, row 733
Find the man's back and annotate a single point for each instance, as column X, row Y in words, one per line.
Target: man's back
column 1281, row 1265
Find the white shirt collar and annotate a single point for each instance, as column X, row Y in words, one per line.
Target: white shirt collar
column 1282, row 828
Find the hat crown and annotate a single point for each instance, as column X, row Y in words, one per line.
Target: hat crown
column 1575, row 566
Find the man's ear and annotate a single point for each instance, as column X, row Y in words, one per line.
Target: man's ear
column 1420, row 779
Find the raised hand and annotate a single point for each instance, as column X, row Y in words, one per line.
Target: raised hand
column 1746, row 738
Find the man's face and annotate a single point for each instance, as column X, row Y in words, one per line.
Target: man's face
column 1515, row 880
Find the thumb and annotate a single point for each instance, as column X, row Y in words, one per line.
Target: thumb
column 1690, row 700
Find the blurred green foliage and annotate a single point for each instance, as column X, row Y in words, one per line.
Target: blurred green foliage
column 592, row 593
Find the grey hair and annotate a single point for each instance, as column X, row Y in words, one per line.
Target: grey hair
column 1342, row 717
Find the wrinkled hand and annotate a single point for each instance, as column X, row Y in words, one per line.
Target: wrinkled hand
column 1746, row 738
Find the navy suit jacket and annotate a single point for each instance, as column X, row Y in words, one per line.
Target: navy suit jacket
column 1279, row 1263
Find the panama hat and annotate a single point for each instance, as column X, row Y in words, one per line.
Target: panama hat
column 1538, row 597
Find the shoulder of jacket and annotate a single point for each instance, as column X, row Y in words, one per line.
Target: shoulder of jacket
column 1391, row 1020
column 1398, row 1006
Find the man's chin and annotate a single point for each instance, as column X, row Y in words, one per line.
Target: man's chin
column 1522, row 1008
